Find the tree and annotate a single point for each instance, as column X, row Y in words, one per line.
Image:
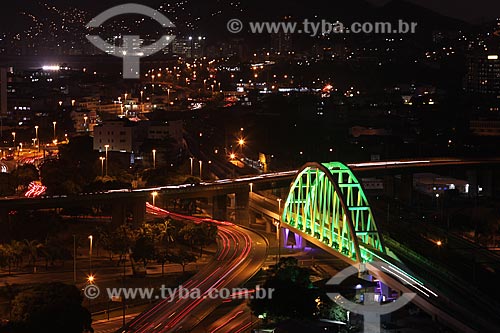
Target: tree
column 77, row 165
column 201, row 235
column 25, row 174
column 7, row 184
column 122, row 239
column 293, row 296
column 5, row 257
column 33, row 249
column 143, row 250
column 189, row 234
column 332, row 311
column 52, row 251
column 17, row 250
column 52, row 307
column 9, row 292
column 182, row 258
column 162, row 257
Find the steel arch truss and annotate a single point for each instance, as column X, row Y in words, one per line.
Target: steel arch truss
column 327, row 202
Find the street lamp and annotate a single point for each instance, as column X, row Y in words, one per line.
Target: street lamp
column 154, row 158
column 54, row 123
column 36, row 135
column 154, row 195
column 241, row 143
column 106, row 147
column 102, row 158
column 91, row 238
column 142, row 101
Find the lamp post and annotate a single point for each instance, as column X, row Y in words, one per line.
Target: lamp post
column 154, row 158
column 54, row 123
column 201, row 174
column 121, row 104
column 154, row 195
column 106, row 147
column 36, row 135
column 102, row 158
column 142, row 101
column 91, row 238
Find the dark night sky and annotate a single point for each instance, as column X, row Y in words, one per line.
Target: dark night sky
column 468, row 10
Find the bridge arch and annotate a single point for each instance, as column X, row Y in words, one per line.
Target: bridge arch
column 327, row 202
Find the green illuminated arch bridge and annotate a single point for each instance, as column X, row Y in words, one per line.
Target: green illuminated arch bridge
column 326, row 202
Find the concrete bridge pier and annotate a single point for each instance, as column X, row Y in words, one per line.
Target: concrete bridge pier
column 219, row 207
column 242, row 210
column 406, row 189
column 133, row 211
column 252, row 218
column 269, row 223
column 138, row 211
column 389, row 186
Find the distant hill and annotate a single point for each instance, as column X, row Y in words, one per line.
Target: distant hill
column 427, row 19
column 209, row 17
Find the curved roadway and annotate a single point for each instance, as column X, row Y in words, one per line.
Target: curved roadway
column 240, row 255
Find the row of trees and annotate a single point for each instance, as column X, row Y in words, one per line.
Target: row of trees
column 16, row 253
column 163, row 241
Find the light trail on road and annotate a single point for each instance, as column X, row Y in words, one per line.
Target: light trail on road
column 239, row 256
